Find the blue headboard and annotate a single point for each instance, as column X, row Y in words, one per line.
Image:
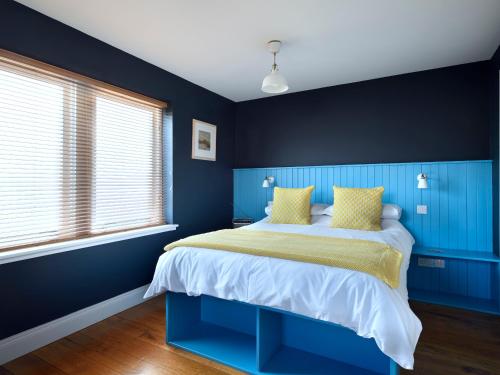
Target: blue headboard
column 459, row 197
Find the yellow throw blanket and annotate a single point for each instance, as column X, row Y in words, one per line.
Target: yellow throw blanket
column 374, row 258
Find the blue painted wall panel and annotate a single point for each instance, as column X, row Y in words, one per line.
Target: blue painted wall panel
column 459, row 197
column 459, row 200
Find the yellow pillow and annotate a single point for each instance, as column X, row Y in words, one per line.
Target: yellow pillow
column 356, row 208
column 292, row 206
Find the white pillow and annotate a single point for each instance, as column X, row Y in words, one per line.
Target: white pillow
column 328, row 211
column 316, row 209
column 389, row 211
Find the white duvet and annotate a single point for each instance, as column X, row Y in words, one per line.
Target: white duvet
column 352, row 299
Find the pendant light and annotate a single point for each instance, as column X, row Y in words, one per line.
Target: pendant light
column 274, row 82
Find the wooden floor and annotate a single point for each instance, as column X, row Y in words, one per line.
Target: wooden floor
column 132, row 342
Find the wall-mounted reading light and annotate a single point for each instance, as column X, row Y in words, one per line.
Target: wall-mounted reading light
column 422, row 181
column 268, row 181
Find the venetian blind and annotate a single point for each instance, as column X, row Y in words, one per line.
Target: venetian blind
column 78, row 157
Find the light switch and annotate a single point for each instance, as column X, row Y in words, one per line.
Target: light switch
column 421, row 209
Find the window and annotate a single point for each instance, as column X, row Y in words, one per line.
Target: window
column 78, row 157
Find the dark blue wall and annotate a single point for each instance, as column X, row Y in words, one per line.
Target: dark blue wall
column 35, row 291
column 494, row 132
column 442, row 114
column 435, row 115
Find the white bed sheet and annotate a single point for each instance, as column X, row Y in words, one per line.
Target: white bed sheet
column 352, row 299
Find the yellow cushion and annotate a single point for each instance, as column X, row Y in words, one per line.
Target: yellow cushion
column 292, row 206
column 356, row 208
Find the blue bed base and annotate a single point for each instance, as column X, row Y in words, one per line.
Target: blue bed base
column 262, row 340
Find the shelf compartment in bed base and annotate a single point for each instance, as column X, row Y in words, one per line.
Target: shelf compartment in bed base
column 290, row 343
column 216, row 329
column 261, row 340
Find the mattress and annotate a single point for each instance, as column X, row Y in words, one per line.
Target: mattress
column 353, row 299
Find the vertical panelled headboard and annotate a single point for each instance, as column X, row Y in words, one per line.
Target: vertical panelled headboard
column 459, row 197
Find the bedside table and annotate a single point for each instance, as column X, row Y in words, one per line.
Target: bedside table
column 466, row 279
column 239, row 222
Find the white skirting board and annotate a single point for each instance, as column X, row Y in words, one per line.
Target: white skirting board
column 34, row 338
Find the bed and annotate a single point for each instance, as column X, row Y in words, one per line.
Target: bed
column 270, row 315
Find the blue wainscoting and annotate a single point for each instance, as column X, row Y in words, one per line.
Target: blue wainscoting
column 457, row 228
column 459, row 197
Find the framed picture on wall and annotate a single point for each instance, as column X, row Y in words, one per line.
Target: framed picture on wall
column 204, row 141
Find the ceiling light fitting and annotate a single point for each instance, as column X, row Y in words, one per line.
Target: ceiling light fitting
column 274, row 82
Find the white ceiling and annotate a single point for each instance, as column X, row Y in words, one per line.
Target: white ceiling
column 220, row 44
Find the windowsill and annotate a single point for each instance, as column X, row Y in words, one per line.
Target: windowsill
column 60, row 247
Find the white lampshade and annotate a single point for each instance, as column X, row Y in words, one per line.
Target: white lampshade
column 422, row 181
column 274, row 82
column 268, row 181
